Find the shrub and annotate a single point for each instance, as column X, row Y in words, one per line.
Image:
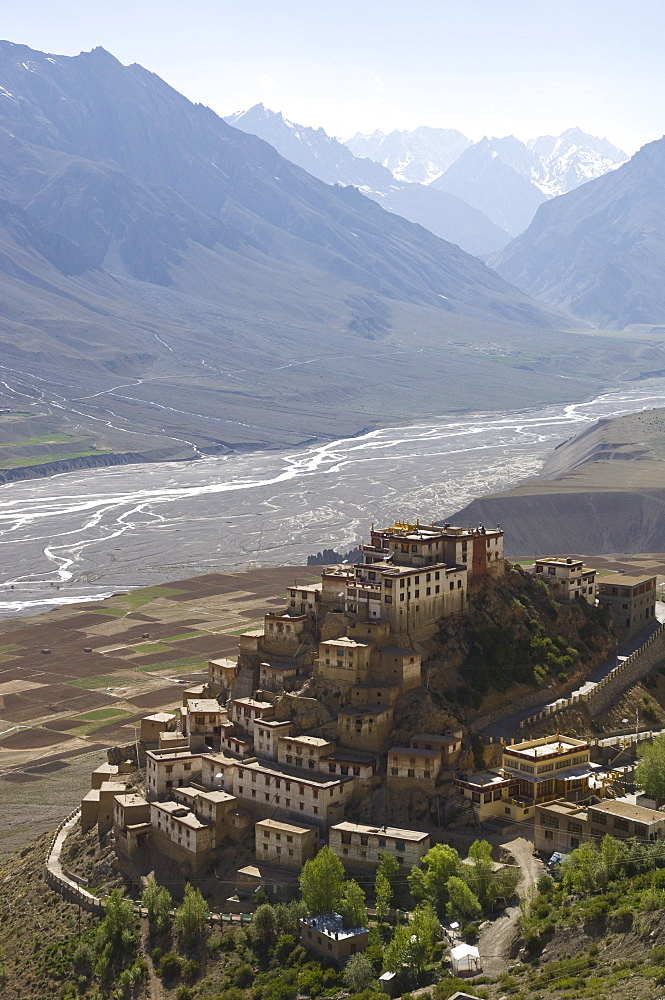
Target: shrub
column 310, row 982
column 243, row 976
column 190, row 970
column 285, row 945
column 184, row 993
column 169, row 967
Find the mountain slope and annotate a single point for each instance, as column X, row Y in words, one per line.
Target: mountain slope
column 443, row 214
column 168, row 281
column 484, row 177
column 598, row 251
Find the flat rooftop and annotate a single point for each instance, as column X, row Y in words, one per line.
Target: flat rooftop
column 309, row 741
column 549, row 747
column 295, row 774
column 131, row 799
column 252, row 703
column 414, row 752
column 629, row 810
column 209, row 705
column 275, row 824
column 332, row 925
column 623, row 580
column 417, row 836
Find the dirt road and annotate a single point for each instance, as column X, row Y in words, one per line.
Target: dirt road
column 497, row 939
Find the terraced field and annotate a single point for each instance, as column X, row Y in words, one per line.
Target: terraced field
column 77, row 680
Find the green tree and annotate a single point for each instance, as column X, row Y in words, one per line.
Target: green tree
column 502, row 887
column 479, row 875
column 387, row 872
column 352, row 905
column 579, row 870
column 430, row 882
column 650, row 770
column 358, row 973
column 411, row 946
column 116, row 938
column 191, row 917
column 157, row 901
column 322, row 882
column 462, row 902
column 264, row 925
column 383, row 894
column 118, row 928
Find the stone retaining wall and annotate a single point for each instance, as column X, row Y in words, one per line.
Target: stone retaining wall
column 605, row 693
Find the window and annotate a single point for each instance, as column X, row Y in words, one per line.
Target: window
column 399, row 847
column 411, row 773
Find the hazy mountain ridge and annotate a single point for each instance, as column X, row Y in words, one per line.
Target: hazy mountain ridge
column 446, row 215
column 419, row 156
column 504, row 178
column 598, row 250
column 172, row 276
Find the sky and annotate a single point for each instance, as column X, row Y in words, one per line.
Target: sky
column 485, row 67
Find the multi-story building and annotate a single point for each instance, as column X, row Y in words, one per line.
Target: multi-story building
column 413, row 766
column 479, row 549
column 304, row 599
column 169, row 769
column 568, row 578
column 531, row 772
column 562, row 826
column 304, row 751
column 288, row 793
column 245, row 712
column 449, row 745
column 222, row 675
column 550, row 767
column 267, row 733
column 631, row 600
column 359, row 846
column 152, row 726
column 365, row 727
column 287, row 845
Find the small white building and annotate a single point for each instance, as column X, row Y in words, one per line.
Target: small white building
column 465, row 960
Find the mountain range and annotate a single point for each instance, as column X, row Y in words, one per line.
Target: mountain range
column 165, row 276
column 171, row 282
column 444, row 214
column 598, row 251
column 504, row 178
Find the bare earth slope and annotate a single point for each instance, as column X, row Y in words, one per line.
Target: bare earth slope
column 165, row 275
column 601, row 492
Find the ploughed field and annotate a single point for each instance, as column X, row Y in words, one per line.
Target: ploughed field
column 61, row 707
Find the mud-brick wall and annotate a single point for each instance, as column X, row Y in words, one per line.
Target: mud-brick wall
column 639, row 665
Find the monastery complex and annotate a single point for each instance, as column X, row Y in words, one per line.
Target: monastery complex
column 284, row 744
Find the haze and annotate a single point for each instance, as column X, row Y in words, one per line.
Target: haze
column 483, row 68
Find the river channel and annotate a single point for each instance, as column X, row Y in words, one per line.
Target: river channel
column 83, row 535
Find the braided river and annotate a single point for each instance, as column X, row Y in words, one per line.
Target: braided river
column 83, row 535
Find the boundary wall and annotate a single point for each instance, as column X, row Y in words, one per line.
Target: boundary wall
column 603, row 694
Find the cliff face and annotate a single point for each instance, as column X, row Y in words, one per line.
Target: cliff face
column 515, row 638
column 603, row 491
